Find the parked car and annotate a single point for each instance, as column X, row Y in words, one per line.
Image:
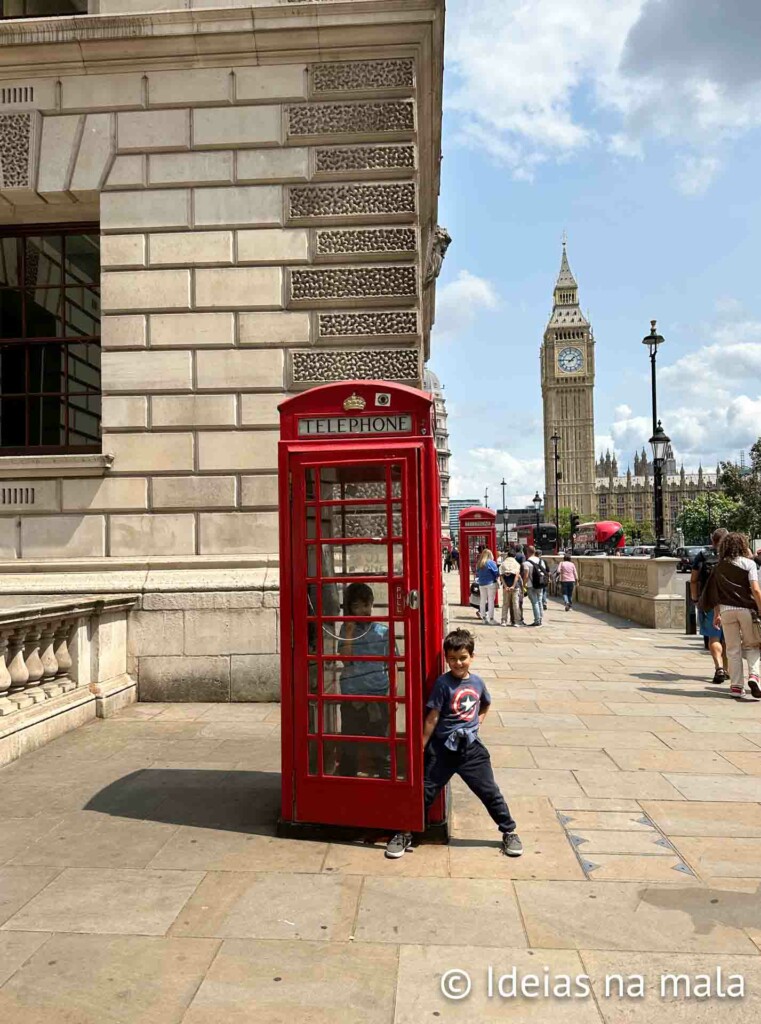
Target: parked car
column 687, row 556
column 643, row 551
column 627, row 551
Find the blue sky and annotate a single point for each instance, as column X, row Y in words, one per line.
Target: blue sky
column 640, row 138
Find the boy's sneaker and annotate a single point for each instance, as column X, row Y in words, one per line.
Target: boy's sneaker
column 753, row 686
column 736, row 691
column 511, row 844
column 398, row 845
column 719, row 676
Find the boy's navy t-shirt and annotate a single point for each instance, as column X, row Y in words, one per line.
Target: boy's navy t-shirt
column 458, row 702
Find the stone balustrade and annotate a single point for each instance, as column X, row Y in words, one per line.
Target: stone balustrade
column 645, row 590
column 61, row 663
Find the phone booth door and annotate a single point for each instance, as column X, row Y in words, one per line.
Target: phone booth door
column 357, row 649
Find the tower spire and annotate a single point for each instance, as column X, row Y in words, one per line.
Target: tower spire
column 565, row 279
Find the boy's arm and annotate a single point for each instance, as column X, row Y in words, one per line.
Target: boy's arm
column 430, row 723
column 483, row 711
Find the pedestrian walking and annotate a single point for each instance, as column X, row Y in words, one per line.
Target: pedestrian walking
column 512, row 586
column 535, row 579
column 487, row 574
column 447, row 560
column 568, row 577
column 455, row 555
column 458, row 704
column 734, row 596
column 702, row 568
column 520, row 558
column 546, row 572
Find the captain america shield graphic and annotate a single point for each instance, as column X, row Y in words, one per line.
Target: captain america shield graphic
column 465, row 703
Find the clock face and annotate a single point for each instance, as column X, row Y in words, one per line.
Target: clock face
column 570, row 360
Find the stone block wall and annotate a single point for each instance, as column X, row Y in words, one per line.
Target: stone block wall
column 261, row 234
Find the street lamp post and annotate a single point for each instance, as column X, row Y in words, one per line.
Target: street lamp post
column 503, row 485
column 486, row 498
column 536, row 501
column 708, row 503
column 659, row 442
column 555, row 442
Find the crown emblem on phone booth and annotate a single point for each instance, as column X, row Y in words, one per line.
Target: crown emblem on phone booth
column 354, row 401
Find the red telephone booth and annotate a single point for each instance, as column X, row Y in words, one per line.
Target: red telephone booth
column 478, row 529
column 361, row 605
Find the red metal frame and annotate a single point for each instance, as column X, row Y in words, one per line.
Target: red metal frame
column 312, row 791
column 477, row 526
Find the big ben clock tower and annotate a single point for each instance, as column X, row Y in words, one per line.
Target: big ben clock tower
column 568, row 379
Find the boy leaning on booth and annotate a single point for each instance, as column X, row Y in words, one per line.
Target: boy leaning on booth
column 457, row 706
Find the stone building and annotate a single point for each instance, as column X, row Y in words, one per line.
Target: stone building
column 630, row 496
column 568, row 379
column 204, row 208
column 432, row 383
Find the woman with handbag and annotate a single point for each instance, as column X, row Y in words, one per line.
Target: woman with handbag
column 487, row 574
column 733, row 592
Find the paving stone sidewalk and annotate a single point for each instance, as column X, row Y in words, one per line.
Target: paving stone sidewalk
column 141, row 882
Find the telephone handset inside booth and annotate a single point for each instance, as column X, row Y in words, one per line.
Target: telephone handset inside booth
column 354, row 558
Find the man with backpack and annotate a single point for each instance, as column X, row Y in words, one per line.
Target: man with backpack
column 546, row 572
column 702, row 568
column 535, row 578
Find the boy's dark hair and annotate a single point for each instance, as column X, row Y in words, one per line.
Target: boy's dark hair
column 358, row 592
column 457, row 639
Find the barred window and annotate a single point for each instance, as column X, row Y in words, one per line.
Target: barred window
column 50, row 340
column 41, row 8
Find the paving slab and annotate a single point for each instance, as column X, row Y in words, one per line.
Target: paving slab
column 107, row 902
column 643, row 841
column 598, row 821
column 599, row 739
column 75, row 979
column 629, row 916
column 750, row 763
column 718, row 741
column 19, row 885
column 572, row 758
column 18, row 834
column 526, row 781
column 638, row 785
column 210, row 849
column 730, row 858
column 690, row 818
column 369, row 859
column 658, row 1004
column 546, row 855
column 722, row 788
column 98, row 841
column 421, row 975
column 477, row 911
column 269, row 982
column 698, row 761
column 15, row 950
column 270, row 906
column 605, row 867
column 590, row 803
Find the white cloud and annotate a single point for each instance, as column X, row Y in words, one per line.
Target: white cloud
column 459, row 302
column 486, row 467
column 703, row 398
column 530, row 76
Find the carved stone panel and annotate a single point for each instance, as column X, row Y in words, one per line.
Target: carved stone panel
column 17, row 149
column 379, row 161
column 372, row 118
column 390, row 324
column 394, row 200
column 369, row 242
column 363, row 75
column 338, row 285
column 322, row 366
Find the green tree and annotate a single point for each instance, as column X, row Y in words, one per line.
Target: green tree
column 694, row 518
column 564, row 520
column 743, row 484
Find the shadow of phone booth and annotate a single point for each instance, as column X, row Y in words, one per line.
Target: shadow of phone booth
column 478, row 529
column 361, row 619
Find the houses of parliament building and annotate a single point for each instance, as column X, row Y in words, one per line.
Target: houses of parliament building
column 594, row 487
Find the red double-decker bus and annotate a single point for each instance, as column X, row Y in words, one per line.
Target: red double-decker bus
column 605, row 537
column 544, row 537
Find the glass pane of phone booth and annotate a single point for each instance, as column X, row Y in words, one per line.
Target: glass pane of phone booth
column 475, row 541
column 356, row 641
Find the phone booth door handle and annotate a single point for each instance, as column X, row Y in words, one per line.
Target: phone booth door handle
column 413, row 600
column 399, row 599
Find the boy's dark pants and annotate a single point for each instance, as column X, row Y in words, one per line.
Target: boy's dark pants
column 473, row 765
